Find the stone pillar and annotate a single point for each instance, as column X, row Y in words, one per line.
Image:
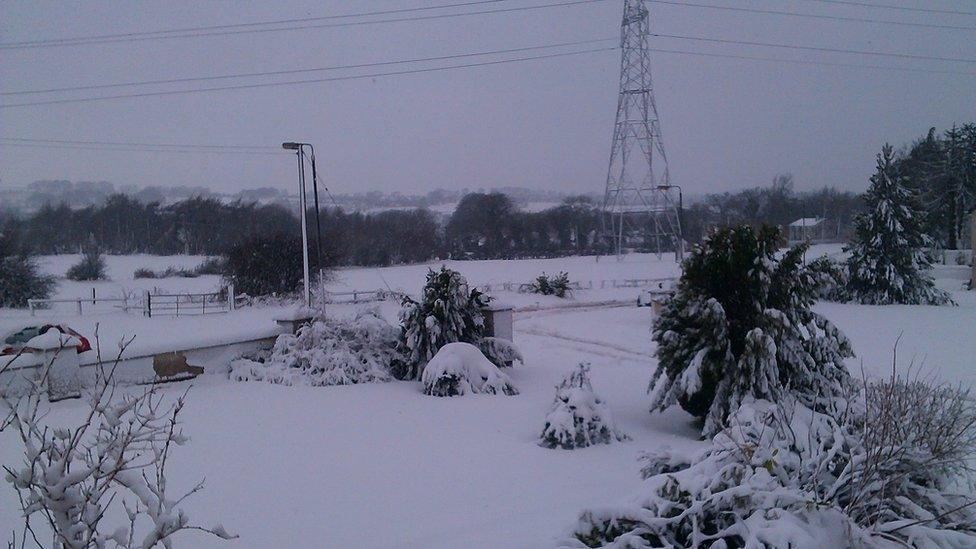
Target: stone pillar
column 499, row 321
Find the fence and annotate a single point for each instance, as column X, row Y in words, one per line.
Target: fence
column 524, row 287
column 188, row 304
column 89, row 305
column 149, row 304
column 360, row 296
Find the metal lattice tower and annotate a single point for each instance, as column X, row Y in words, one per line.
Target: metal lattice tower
column 639, row 207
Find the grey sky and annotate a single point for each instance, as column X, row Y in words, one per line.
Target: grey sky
column 541, row 124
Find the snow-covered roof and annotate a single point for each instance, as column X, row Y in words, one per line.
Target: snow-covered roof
column 807, row 222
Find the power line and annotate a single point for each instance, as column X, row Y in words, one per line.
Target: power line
column 806, row 62
column 308, row 81
column 549, row 56
column 87, row 41
column 891, row 7
column 299, row 71
column 814, row 48
column 244, row 25
column 503, row 51
column 814, row 16
column 130, row 144
column 139, row 149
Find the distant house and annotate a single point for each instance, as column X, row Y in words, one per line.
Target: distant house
column 814, row 229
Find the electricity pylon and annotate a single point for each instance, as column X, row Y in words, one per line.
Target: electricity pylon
column 639, row 207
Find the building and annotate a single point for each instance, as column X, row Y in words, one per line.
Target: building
column 814, row 229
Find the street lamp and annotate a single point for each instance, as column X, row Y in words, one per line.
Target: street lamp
column 300, row 151
column 679, row 249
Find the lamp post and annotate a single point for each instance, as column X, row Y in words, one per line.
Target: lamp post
column 301, row 199
column 679, row 249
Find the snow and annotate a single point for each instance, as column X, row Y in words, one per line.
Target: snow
column 383, row 465
column 52, row 339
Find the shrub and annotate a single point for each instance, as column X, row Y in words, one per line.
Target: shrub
column 19, row 276
column 501, row 352
column 267, row 265
column 578, row 418
column 459, row 369
column 448, row 312
column 143, row 272
column 211, row 266
column 878, row 473
column 741, row 325
column 327, row 352
column 557, row 285
column 91, row 267
column 169, row 272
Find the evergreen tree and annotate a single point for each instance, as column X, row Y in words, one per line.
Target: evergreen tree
column 888, row 262
column 448, row 312
column 20, row 279
column 578, row 418
column 741, row 325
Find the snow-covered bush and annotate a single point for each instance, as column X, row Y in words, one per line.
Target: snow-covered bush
column 91, row 266
column 459, row 369
column 557, row 285
column 19, row 276
column 741, row 325
column 448, row 312
column 501, row 352
column 879, row 473
column 327, row 352
column 578, row 418
column 70, row 477
column 888, row 262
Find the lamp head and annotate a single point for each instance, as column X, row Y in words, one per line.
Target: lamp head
column 291, row 146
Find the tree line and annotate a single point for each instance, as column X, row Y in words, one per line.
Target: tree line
column 483, row 226
column 939, row 168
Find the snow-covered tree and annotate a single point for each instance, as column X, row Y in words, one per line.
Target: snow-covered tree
column 448, row 312
column 578, row 418
column 460, row 368
column 740, row 325
column 71, row 476
column 328, row 351
column 888, row 262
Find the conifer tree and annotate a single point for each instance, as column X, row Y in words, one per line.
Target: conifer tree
column 448, row 312
column 888, row 262
column 578, row 418
column 741, row 325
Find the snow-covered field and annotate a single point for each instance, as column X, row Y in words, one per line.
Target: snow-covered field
column 382, row 465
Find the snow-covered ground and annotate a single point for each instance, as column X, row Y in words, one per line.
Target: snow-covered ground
column 382, row 465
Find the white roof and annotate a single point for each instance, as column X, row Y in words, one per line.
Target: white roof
column 807, row 222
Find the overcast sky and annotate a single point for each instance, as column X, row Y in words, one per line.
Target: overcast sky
column 727, row 123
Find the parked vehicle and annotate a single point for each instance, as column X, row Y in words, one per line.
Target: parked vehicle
column 15, row 341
